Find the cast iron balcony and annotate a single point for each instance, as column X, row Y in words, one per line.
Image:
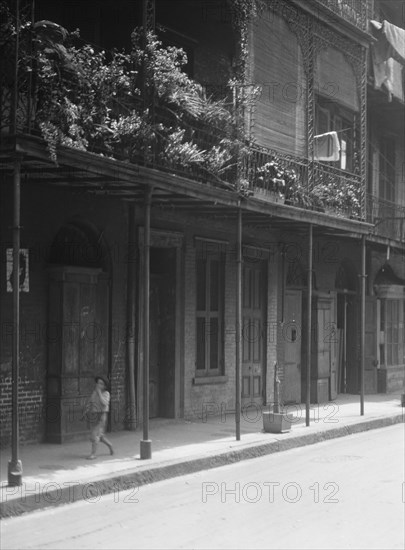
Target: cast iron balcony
column 388, row 218
column 356, row 12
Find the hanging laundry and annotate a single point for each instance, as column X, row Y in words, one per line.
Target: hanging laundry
column 388, row 55
column 327, row 147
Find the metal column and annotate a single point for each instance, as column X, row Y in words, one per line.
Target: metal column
column 146, row 443
column 309, row 326
column 238, row 324
column 362, row 320
column 15, row 465
column 131, row 295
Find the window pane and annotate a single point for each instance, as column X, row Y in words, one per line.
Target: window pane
column 393, row 332
column 201, row 282
column 214, row 340
column 395, row 354
column 201, row 340
column 214, row 285
column 382, row 319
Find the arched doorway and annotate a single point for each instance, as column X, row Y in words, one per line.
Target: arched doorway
column 78, row 326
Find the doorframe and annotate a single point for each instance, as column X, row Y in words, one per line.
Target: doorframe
column 160, row 238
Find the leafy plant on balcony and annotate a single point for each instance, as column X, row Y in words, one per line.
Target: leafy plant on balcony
column 140, row 106
column 283, row 181
column 341, row 195
column 331, row 191
column 272, row 177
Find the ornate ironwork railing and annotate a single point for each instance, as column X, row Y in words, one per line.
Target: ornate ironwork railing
column 388, row 218
column 278, row 177
column 205, row 137
column 260, row 156
column 338, row 190
column 266, row 173
column 356, row 12
column 270, row 174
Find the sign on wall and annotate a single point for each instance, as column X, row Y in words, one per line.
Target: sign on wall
column 24, row 270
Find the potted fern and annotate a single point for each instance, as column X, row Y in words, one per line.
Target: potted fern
column 276, row 421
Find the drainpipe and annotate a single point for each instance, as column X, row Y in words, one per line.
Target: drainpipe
column 309, row 323
column 131, row 317
column 146, row 443
column 362, row 320
column 238, row 323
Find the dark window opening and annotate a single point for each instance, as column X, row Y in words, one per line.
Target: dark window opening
column 210, row 267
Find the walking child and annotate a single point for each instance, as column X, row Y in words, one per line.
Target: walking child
column 96, row 414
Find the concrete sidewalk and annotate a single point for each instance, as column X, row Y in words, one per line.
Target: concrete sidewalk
column 59, row 474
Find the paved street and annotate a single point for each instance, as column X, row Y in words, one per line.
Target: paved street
column 345, row 493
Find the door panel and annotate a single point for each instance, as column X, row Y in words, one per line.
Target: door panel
column 353, row 344
column 162, row 334
column 324, row 349
column 370, row 346
column 333, row 336
column 154, row 346
column 291, row 388
column 253, row 335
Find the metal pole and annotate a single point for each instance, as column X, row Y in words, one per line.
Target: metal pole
column 131, row 317
column 238, row 324
column 309, row 327
column 15, row 465
column 345, row 346
column 362, row 320
column 146, row 443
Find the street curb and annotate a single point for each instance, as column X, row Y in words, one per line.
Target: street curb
column 52, row 494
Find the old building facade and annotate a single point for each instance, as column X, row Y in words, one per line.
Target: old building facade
column 296, row 255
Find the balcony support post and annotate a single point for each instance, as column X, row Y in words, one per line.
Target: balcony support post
column 238, row 354
column 362, row 320
column 146, row 443
column 309, row 326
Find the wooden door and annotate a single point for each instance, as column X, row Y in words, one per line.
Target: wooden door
column 167, row 346
column 253, row 333
column 324, row 364
column 370, row 346
column 333, row 337
column 154, row 345
column 352, row 374
column 291, row 388
column 162, row 300
column 79, row 305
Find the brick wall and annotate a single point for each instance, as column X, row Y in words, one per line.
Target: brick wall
column 31, row 410
column 220, row 397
